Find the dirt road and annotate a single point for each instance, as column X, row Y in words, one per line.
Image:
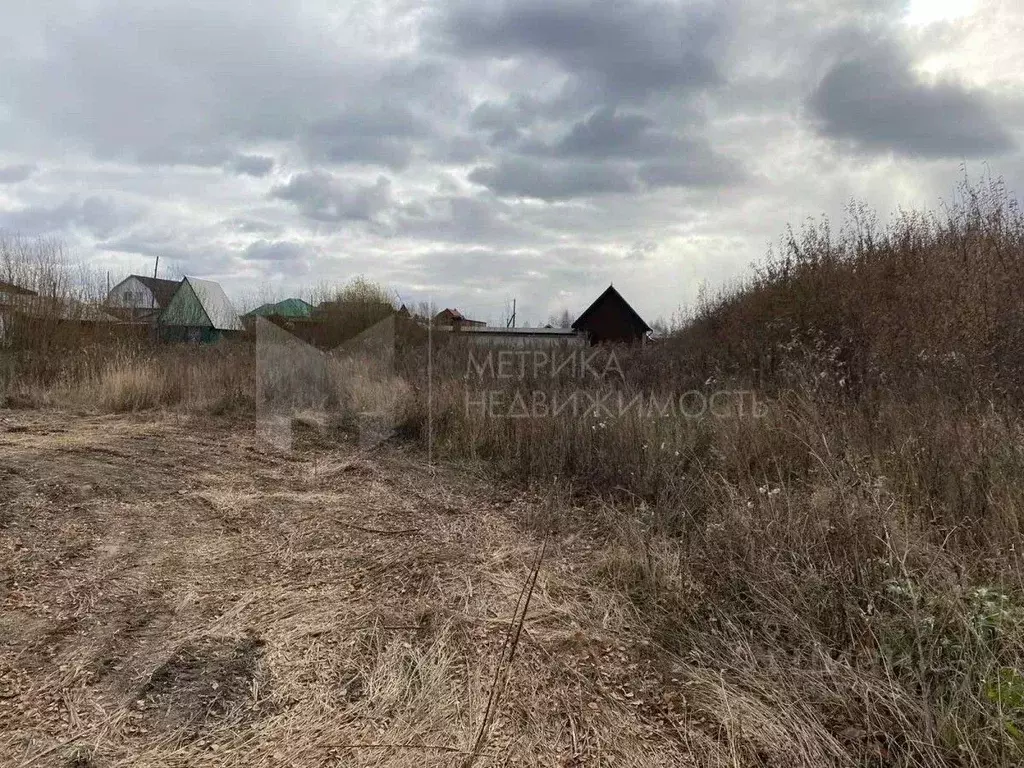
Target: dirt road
column 180, row 592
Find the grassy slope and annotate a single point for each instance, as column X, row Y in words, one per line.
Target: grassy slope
column 845, row 566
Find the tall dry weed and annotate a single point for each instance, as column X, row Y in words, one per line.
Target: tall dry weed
column 837, row 571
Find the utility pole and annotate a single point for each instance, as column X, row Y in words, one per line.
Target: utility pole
column 152, row 294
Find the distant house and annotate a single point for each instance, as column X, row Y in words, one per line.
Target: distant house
column 138, row 296
column 522, row 337
column 291, row 309
column 293, row 315
column 610, row 319
column 198, row 311
column 454, row 320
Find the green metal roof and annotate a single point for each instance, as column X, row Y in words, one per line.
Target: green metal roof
column 288, row 308
column 200, row 303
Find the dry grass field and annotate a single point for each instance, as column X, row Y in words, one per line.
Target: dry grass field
column 176, row 592
column 831, row 578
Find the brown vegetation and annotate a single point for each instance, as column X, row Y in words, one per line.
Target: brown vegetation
column 820, row 568
column 834, row 552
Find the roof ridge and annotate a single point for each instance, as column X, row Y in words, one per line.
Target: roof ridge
column 610, row 290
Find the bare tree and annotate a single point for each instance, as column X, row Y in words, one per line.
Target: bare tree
column 38, row 264
column 561, row 319
column 424, row 309
column 660, row 327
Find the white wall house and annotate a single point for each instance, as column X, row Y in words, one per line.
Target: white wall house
column 142, row 293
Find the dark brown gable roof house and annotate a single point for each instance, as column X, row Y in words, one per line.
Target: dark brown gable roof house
column 611, row 319
column 162, row 290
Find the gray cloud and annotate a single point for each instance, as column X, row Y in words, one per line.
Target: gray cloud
column 178, row 255
column 699, row 167
column 323, row 197
column 482, row 220
column 384, row 135
column 98, row 216
column 12, row 174
column 501, row 116
column 252, row 165
column 540, row 144
column 276, row 250
column 204, row 80
column 522, row 177
column 250, row 226
column 460, row 150
column 641, row 249
column 201, row 155
column 626, row 51
column 484, row 267
column 877, row 102
column 607, row 134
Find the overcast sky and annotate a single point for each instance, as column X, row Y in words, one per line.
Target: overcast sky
column 478, row 150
